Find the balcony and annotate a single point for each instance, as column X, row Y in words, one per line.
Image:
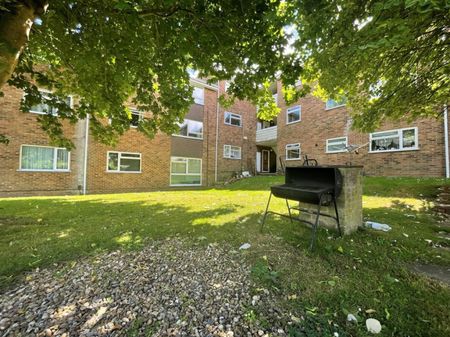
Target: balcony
column 267, row 136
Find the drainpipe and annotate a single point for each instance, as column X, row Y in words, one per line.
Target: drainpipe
column 217, row 133
column 86, row 144
column 447, row 164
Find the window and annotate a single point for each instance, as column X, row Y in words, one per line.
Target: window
column 199, row 95
column 185, row 171
column 293, row 151
column 293, row 114
column 124, row 162
column 331, row 103
column 136, row 117
column 233, row 119
column 231, row 152
column 44, row 158
column 394, row 140
column 336, row 145
column 44, row 108
column 191, row 129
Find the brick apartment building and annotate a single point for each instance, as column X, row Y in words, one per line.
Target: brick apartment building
column 213, row 144
column 322, row 131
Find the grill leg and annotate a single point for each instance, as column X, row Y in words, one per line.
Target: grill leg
column 289, row 210
column 265, row 213
column 337, row 215
column 316, row 224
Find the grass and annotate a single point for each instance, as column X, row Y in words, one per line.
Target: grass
column 365, row 273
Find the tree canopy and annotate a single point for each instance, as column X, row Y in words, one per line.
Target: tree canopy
column 390, row 59
column 107, row 51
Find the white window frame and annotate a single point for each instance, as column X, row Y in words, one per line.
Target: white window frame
column 400, row 142
column 190, row 137
column 334, row 139
column 55, row 149
column 135, row 111
column 333, row 107
column 43, row 92
column 290, row 110
column 232, row 116
column 227, row 150
column 200, row 101
column 187, row 171
column 120, row 155
column 293, row 146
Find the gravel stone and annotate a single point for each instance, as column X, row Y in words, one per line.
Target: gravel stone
column 169, row 288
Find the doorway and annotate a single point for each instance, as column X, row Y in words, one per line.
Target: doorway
column 265, row 167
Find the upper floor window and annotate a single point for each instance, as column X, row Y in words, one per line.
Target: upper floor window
column 233, row 119
column 192, row 129
column 394, row 140
column 293, row 151
column 136, row 117
column 124, row 162
column 231, row 152
column 45, row 108
column 44, row 158
column 293, row 114
column 261, row 124
column 199, row 95
column 337, row 145
column 331, row 103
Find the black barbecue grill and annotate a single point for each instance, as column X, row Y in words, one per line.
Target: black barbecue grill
column 318, row 185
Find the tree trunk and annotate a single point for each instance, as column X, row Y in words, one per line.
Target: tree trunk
column 15, row 25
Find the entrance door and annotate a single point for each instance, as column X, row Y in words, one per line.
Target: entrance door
column 265, row 161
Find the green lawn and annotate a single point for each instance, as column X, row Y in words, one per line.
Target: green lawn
column 366, row 271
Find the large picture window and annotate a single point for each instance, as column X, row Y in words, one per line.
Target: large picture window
column 233, row 119
column 394, row 140
column 124, row 162
column 231, row 152
column 293, row 114
column 293, row 151
column 336, row 145
column 185, row 171
column 44, row 158
column 45, row 108
column 191, row 129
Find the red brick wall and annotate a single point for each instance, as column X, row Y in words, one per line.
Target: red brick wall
column 243, row 137
column 23, row 129
column 317, row 125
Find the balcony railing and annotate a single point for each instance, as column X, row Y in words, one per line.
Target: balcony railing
column 266, row 135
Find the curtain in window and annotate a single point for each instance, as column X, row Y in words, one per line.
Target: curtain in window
column 37, row 158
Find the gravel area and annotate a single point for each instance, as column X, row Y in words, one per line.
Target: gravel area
column 167, row 289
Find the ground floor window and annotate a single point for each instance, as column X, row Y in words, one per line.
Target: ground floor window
column 336, row 145
column 394, row 140
column 185, row 171
column 44, row 158
column 293, row 151
column 231, row 152
column 124, row 162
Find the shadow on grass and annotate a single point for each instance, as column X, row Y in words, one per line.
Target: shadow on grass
column 61, row 229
